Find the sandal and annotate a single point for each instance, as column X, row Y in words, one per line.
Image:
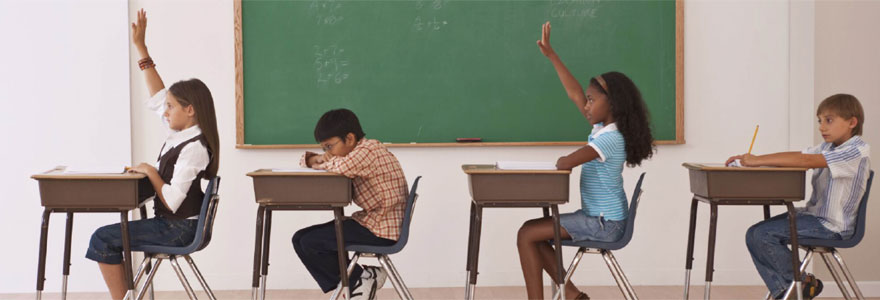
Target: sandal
column 812, row 286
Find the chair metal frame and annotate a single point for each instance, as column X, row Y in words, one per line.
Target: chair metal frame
column 616, row 271
column 383, row 258
column 207, row 216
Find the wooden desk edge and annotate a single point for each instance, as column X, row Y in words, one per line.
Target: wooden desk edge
column 703, row 167
column 269, row 172
column 120, row 176
column 490, row 169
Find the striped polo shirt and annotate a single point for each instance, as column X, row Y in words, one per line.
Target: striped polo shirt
column 601, row 179
column 838, row 188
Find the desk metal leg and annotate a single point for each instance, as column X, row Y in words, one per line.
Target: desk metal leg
column 557, row 244
column 149, row 267
column 470, row 252
column 710, row 256
column 41, row 265
column 267, row 230
column 258, row 241
column 126, row 253
column 475, row 259
column 689, row 258
column 766, row 212
column 341, row 254
column 795, row 260
column 66, row 267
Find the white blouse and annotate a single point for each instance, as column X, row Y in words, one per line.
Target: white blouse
column 193, row 157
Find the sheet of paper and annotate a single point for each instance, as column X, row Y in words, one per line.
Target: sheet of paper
column 525, row 165
column 94, row 169
column 298, row 170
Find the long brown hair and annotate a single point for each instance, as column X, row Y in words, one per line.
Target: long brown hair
column 194, row 92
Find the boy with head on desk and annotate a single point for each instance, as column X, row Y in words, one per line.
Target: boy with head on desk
column 379, row 188
column 842, row 165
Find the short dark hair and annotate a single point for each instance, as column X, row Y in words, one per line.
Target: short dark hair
column 338, row 123
column 846, row 106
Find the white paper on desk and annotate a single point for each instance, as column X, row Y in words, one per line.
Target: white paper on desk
column 299, row 170
column 88, row 169
column 525, row 165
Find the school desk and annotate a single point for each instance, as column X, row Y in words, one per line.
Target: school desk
column 491, row 187
column 717, row 185
column 88, row 193
column 296, row 191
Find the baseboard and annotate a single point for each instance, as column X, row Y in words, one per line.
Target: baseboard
column 868, row 288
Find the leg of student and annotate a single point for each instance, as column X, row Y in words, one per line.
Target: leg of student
column 105, row 246
column 114, row 277
column 536, row 254
column 317, row 249
column 768, row 241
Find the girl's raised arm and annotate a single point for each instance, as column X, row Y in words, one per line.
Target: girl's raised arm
column 138, row 33
column 572, row 87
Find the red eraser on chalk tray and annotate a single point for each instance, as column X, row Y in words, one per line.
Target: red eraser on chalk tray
column 468, row 140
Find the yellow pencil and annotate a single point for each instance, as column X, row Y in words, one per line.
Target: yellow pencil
column 753, row 139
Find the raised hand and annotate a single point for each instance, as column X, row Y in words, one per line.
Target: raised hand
column 544, row 42
column 139, row 30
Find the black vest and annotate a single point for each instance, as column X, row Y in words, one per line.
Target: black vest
column 192, row 203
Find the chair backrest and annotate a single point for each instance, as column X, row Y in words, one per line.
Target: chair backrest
column 206, row 216
column 407, row 216
column 633, row 207
column 861, row 215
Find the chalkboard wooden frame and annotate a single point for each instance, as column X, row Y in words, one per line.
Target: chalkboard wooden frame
column 239, row 97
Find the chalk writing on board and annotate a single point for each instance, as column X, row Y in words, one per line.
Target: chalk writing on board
column 427, row 19
column 574, row 8
column 326, row 12
column 432, row 24
column 331, row 66
column 432, row 4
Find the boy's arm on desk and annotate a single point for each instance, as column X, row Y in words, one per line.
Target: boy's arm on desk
column 785, row 159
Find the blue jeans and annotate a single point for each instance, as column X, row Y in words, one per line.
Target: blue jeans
column 316, row 248
column 768, row 244
column 106, row 243
column 582, row 227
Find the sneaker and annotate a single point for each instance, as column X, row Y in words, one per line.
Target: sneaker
column 377, row 275
column 363, row 288
column 812, row 286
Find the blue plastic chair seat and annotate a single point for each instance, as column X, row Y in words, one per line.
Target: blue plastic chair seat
column 859, row 233
column 203, row 232
column 404, row 229
column 627, row 234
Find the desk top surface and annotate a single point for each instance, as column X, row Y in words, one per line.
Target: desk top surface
column 491, row 169
column 721, row 167
column 270, row 172
column 58, row 174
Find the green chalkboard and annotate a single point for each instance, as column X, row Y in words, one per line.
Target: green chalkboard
column 431, row 71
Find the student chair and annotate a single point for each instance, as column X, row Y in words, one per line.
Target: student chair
column 200, row 241
column 826, row 248
column 605, row 248
column 381, row 252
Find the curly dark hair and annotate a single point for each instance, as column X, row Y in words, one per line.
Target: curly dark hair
column 630, row 114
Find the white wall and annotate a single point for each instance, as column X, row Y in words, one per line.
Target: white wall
column 846, row 62
column 737, row 74
column 64, row 91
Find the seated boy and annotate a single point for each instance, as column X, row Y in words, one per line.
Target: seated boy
column 379, row 188
column 840, row 172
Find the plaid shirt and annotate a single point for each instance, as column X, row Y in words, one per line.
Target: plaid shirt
column 379, row 186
